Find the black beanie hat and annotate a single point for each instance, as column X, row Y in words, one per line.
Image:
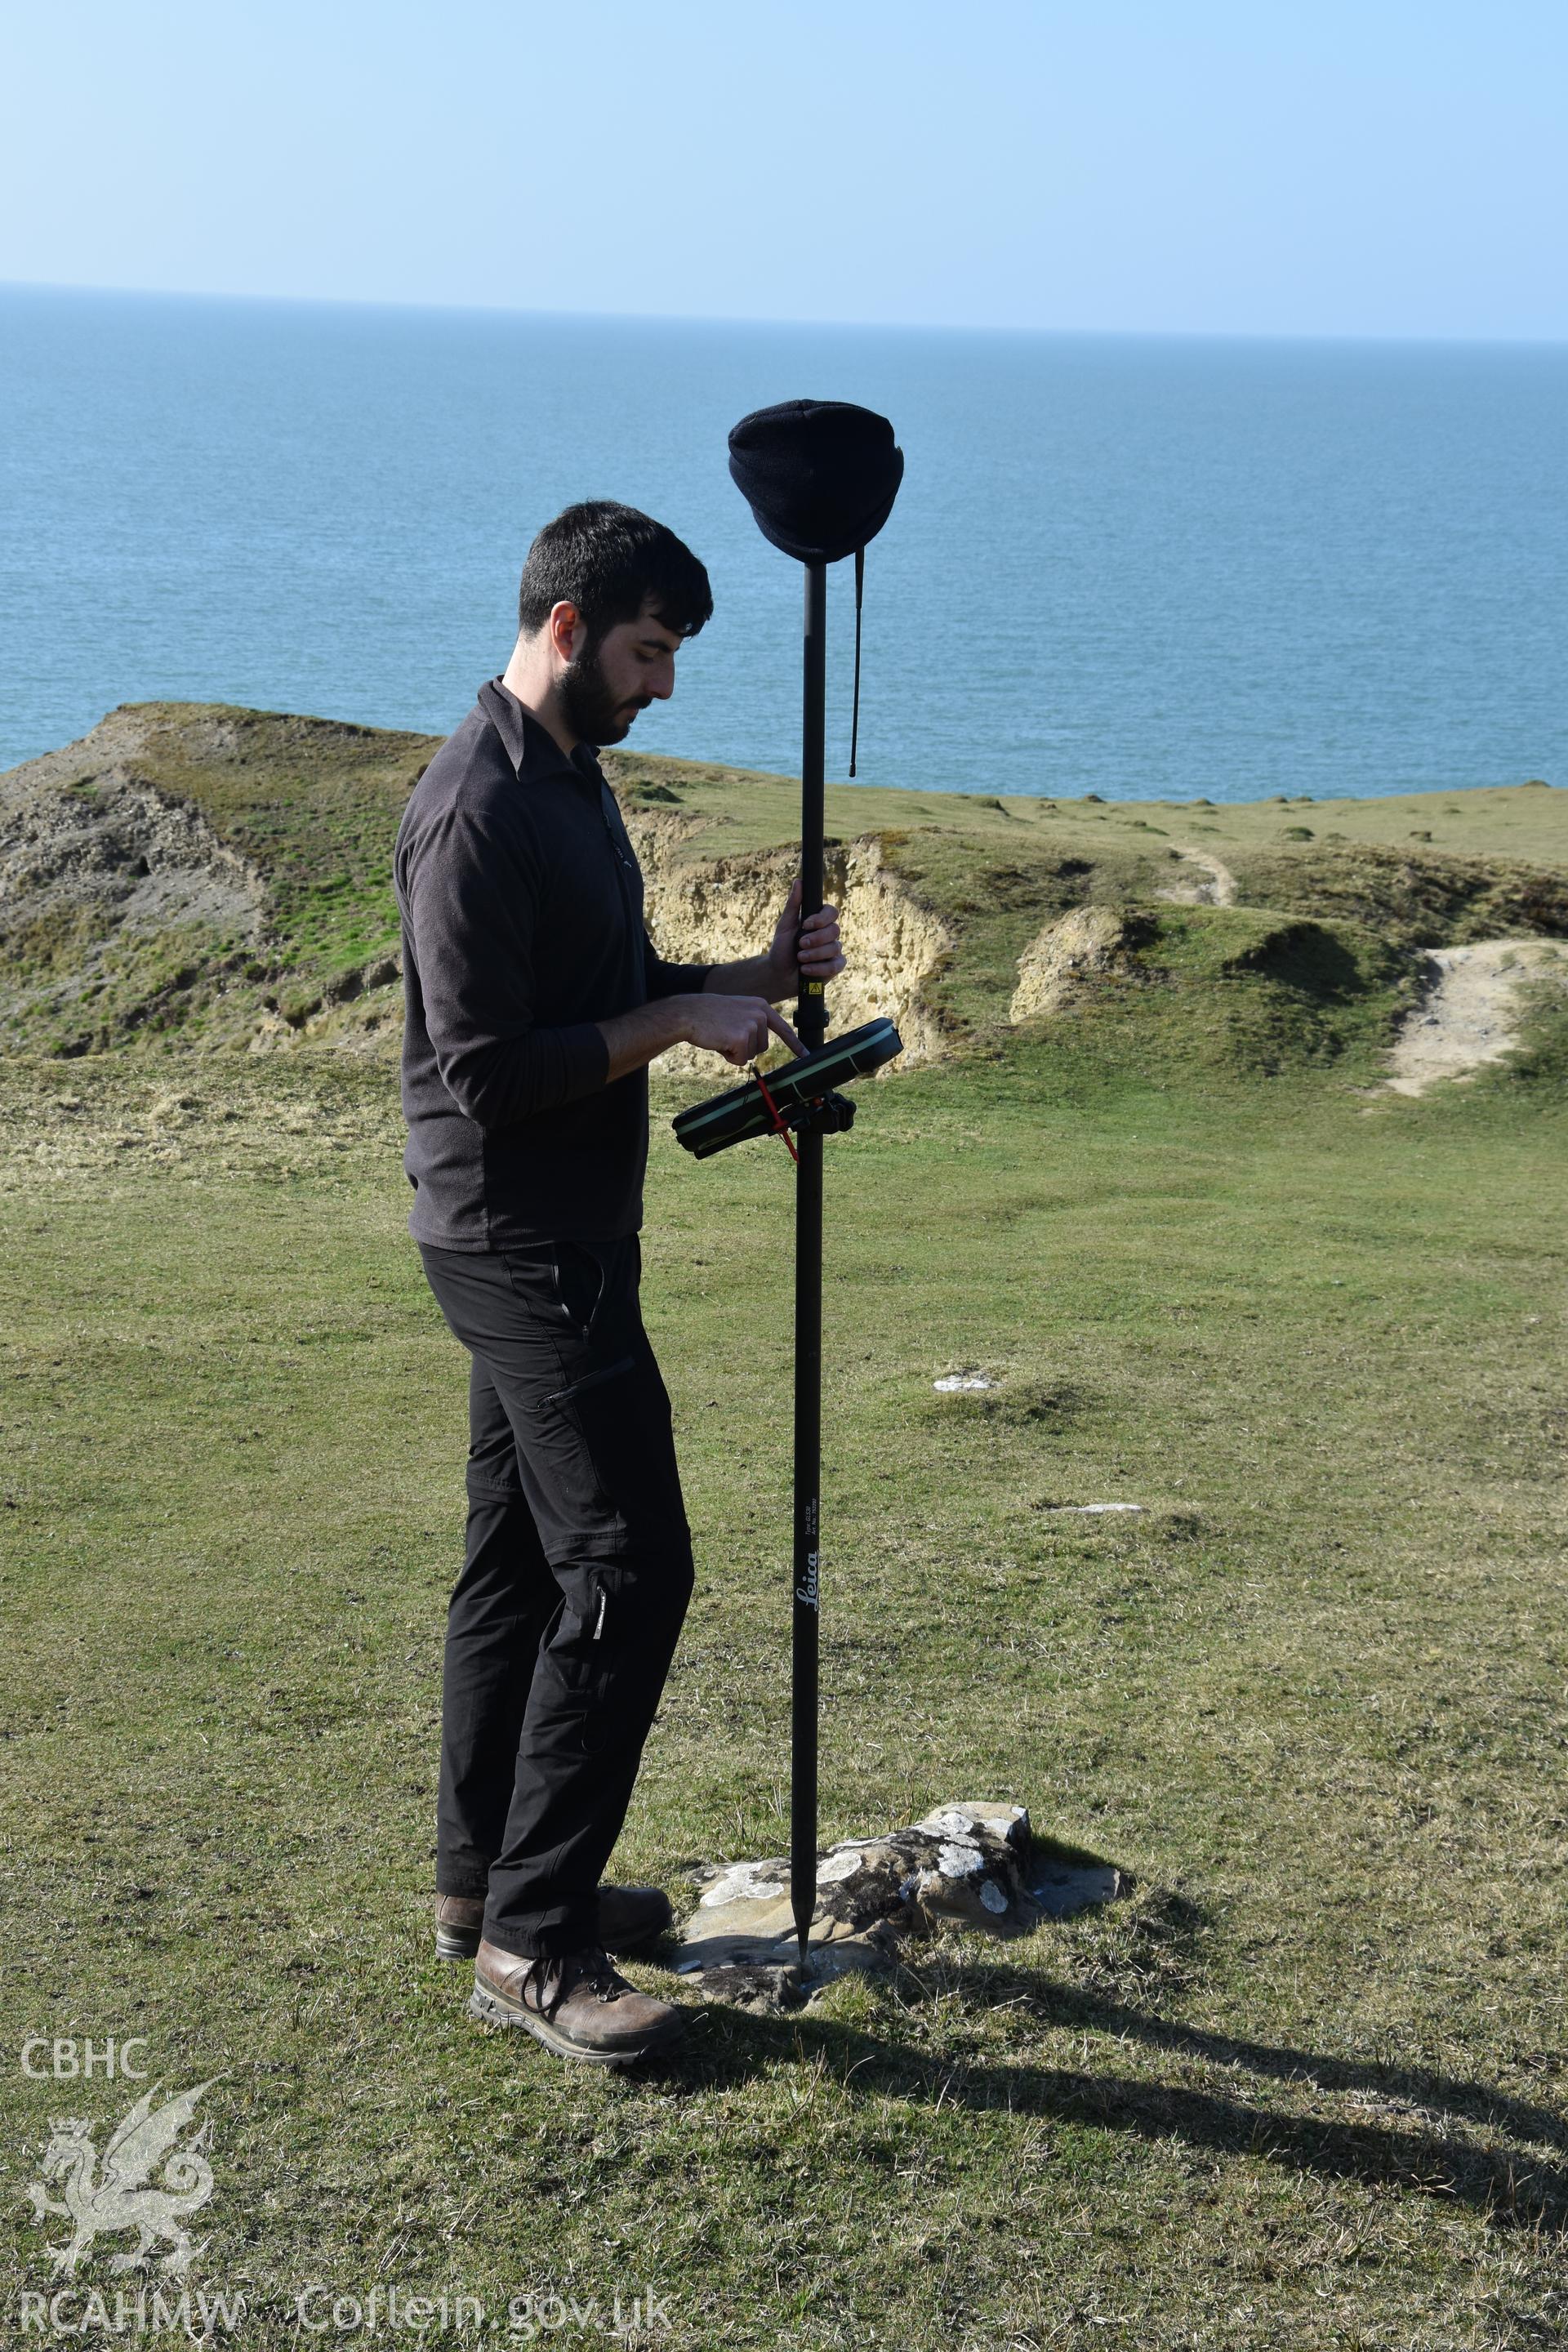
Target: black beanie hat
column 820, row 476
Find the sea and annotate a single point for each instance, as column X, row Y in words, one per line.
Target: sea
column 1150, row 568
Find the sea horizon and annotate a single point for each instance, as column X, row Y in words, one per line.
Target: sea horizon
column 824, row 325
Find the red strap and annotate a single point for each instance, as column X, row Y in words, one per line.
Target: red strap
column 778, row 1127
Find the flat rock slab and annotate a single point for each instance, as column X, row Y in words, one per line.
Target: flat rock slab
column 979, row 1864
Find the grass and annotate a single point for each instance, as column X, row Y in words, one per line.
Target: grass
column 1303, row 2089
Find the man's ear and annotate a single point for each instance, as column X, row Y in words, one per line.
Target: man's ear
column 566, row 630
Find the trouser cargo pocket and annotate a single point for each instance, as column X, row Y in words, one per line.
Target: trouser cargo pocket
column 612, row 1638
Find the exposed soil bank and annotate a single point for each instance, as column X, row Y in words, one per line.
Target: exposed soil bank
column 1470, row 1010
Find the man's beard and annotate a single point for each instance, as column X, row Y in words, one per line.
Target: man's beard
column 597, row 715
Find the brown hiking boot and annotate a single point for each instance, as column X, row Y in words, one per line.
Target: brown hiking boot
column 459, row 1920
column 629, row 1916
column 577, row 2005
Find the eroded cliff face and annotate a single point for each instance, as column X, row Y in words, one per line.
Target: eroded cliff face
column 715, row 910
column 106, row 846
column 115, row 898
column 1083, row 944
column 722, row 908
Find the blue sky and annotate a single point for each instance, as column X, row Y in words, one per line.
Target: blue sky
column 1232, row 167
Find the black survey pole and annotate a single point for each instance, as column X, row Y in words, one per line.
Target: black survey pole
column 811, row 1021
column 820, row 476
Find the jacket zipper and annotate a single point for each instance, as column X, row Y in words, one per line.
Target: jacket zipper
column 623, row 863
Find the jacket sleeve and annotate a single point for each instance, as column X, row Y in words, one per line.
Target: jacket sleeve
column 472, row 907
column 662, row 979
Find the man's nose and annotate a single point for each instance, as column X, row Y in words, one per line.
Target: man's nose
column 661, row 680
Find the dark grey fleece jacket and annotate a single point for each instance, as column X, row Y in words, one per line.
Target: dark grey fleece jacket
column 522, row 901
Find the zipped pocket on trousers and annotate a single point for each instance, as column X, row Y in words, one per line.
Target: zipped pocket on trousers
column 583, row 1324
column 591, row 1380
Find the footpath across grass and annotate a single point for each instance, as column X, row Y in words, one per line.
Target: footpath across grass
column 1303, row 2088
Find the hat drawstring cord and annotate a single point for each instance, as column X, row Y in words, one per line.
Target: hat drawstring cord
column 855, row 720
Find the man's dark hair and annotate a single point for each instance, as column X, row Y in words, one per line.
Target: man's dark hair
column 610, row 560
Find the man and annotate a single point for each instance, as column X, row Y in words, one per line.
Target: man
column 535, row 1002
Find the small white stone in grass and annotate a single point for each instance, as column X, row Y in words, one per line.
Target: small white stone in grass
column 952, row 1380
column 1059, row 1510
column 991, row 1895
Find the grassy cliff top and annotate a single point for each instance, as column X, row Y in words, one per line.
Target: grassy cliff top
column 316, row 801
column 274, row 899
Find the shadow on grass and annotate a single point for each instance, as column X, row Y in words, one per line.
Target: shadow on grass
column 1511, row 2186
column 1478, row 2102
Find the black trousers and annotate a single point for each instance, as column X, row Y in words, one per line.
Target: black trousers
column 576, row 1574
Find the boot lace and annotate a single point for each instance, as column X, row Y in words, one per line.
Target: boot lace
column 552, row 1979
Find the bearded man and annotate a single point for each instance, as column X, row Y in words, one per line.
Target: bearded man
column 536, row 1001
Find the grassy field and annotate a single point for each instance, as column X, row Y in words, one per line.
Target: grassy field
column 1304, row 2088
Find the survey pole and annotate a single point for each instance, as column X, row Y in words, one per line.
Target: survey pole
column 811, row 1021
